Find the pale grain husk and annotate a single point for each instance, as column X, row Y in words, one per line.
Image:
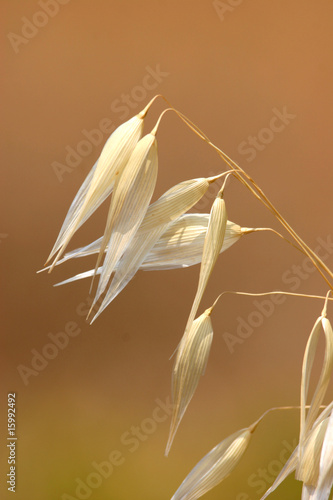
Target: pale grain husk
column 214, row 467
column 189, row 366
column 307, row 469
column 212, row 247
column 325, row 480
column 170, row 206
column 129, row 204
column 99, row 183
column 293, row 461
column 180, row 246
column 308, row 417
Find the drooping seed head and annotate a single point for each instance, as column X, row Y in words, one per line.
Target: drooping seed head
column 190, row 363
column 215, row 466
column 99, row 183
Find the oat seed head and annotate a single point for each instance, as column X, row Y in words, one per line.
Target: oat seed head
column 180, row 246
column 325, row 480
column 130, row 200
column 213, row 245
column 307, row 469
column 308, row 417
column 189, row 366
column 99, row 183
column 170, row 206
column 214, row 467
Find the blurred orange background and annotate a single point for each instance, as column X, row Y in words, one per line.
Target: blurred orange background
column 72, row 67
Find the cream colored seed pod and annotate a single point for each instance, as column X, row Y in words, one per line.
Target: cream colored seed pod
column 190, row 363
column 182, row 244
column 174, row 203
column 308, row 467
column 325, row 479
column 99, row 183
column 179, row 246
column 129, row 204
column 212, row 247
column 215, row 466
column 308, row 417
column 159, row 215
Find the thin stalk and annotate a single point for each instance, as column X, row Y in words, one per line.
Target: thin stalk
column 143, row 113
column 154, row 131
column 219, row 176
column 260, row 195
column 326, row 298
column 247, row 230
column 255, row 424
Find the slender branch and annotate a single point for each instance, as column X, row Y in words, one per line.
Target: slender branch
column 326, row 298
column 247, row 230
column 255, row 424
column 260, row 195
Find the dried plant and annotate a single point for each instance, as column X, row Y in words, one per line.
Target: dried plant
column 161, row 236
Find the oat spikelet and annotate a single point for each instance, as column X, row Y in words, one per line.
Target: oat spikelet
column 174, row 203
column 308, row 417
column 189, row 366
column 293, row 461
column 212, row 247
column 313, row 457
column 180, row 246
column 99, row 183
column 308, row 467
column 129, row 204
column 160, row 214
column 325, row 480
column 215, row 466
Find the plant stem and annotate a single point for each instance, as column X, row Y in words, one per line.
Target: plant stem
column 260, row 195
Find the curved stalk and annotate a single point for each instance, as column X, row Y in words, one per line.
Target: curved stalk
column 260, row 195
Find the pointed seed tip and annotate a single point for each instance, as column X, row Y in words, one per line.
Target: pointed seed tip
column 253, row 427
column 208, row 311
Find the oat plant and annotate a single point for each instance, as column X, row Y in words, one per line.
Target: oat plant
column 140, row 235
